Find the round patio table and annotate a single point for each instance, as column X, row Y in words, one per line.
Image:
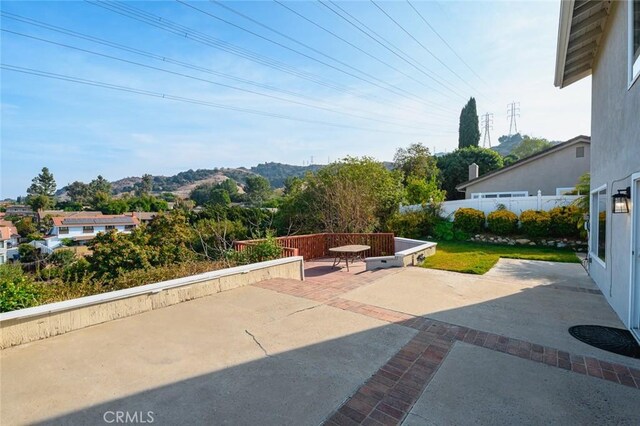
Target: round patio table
column 346, row 253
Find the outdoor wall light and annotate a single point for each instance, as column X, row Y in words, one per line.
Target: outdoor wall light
column 621, row 200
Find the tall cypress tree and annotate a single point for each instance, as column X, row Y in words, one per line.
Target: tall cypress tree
column 469, row 132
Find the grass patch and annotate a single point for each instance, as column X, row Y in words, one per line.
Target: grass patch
column 474, row 258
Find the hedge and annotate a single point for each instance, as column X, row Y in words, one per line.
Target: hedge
column 535, row 223
column 469, row 220
column 564, row 221
column 502, row 222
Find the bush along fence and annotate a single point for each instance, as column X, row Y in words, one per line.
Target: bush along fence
column 560, row 227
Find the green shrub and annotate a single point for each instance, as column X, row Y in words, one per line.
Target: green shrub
column 62, row 257
column 535, row 224
column 502, row 222
column 469, row 220
column 564, row 221
column 415, row 225
column 445, row 230
column 17, row 289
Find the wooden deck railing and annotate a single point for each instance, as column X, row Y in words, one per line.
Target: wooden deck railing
column 314, row 246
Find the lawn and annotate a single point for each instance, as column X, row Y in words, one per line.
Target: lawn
column 474, row 258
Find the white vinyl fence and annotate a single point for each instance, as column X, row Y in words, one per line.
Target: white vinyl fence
column 514, row 204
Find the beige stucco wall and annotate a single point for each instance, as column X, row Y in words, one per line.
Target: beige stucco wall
column 22, row 330
column 560, row 169
column 615, row 140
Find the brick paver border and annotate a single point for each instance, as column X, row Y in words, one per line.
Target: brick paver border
column 387, row 397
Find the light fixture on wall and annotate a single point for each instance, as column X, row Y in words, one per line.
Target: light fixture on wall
column 621, row 200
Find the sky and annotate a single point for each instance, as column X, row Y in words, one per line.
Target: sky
column 122, row 89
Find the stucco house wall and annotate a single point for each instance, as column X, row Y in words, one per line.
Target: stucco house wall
column 615, row 135
column 559, row 169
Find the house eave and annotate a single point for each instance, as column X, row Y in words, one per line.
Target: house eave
column 580, row 31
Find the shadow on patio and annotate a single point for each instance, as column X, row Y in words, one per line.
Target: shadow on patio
column 256, row 356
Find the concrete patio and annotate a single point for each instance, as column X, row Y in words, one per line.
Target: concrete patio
column 410, row 345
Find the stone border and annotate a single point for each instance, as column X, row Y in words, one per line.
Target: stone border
column 39, row 322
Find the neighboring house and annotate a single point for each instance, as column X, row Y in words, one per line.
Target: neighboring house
column 19, row 210
column 85, row 228
column 5, row 236
column 602, row 38
column 61, row 213
column 9, row 238
column 553, row 171
column 143, row 217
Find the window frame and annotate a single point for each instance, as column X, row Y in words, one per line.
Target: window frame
column 129, row 227
column 61, row 232
column 594, row 224
column 631, row 63
column 483, row 195
column 85, row 230
column 108, row 228
column 580, row 149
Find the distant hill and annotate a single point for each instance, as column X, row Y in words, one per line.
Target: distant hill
column 277, row 173
column 183, row 183
column 509, row 143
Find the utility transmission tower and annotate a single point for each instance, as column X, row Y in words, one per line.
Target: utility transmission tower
column 513, row 111
column 487, row 123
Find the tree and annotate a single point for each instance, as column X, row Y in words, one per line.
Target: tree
column 26, row 227
column 78, row 192
column 258, row 189
column 351, row 195
column 220, row 197
column 169, row 236
column 468, row 131
column 145, row 186
column 114, row 253
column 455, row 167
column 530, row 146
column 231, row 186
column 422, row 191
column 41, row 191
column 417, row 161
column 99, row 184
column 40, row 202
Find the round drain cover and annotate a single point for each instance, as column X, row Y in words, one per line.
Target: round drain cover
column 610, row 339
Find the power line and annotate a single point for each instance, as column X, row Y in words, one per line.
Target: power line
column 161, row 58
column 197, row 36
column 421, row 44
column 393, row 49
column 392, row 88
column 331, row 110
column 444, row 41
column 144, row 92
column 374, row 57
column 513, row 111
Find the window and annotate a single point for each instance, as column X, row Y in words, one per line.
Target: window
column 599, row 224
column 1, row 244
column 477, row 195
column 63, row 230
column 634, row 40
column 579, row 151
column 109, row 227
column 129, row 227
column 87, row 229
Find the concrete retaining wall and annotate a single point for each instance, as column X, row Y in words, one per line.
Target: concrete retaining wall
column 411, row 253
column 40, row 322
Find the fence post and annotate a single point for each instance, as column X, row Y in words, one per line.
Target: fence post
column 539, row 200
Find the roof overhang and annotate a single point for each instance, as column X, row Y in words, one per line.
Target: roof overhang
column 581, row 26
